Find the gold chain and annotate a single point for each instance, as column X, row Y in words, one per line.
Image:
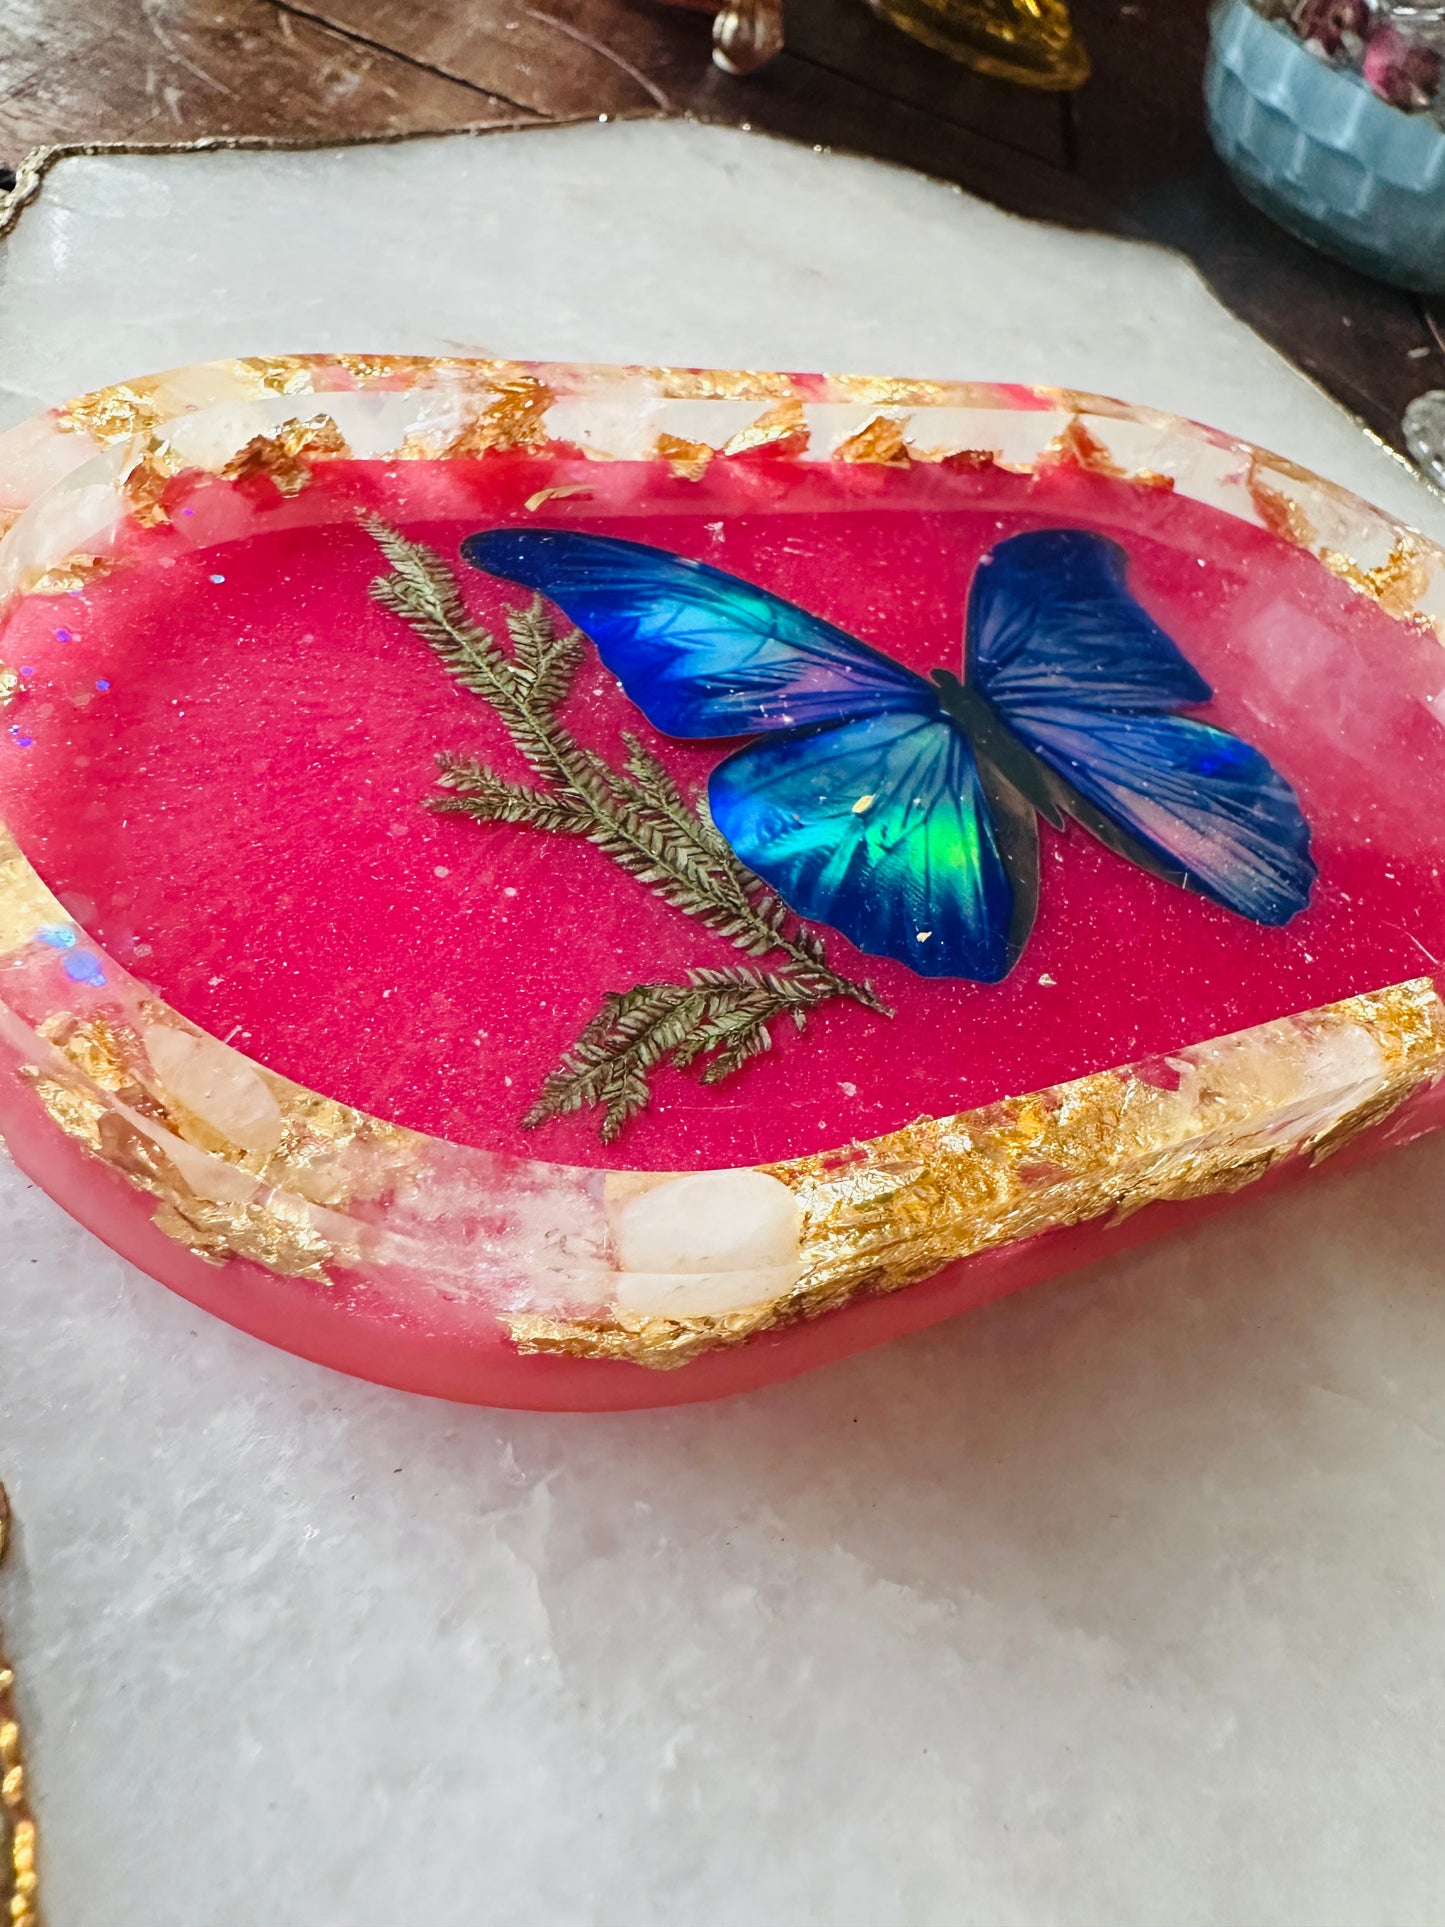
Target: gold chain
column 19, row 1882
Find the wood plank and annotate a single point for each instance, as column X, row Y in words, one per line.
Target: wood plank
column 558, row 58
column 112, row 70
column 575, row 57
column 845, row 39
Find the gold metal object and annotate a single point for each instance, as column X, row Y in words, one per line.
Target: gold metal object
column 1028, row 41
column 19, row 1880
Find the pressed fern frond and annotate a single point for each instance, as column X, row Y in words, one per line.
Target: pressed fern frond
column 636, row 815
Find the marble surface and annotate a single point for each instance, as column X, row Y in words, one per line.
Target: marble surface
column 1121, row 1601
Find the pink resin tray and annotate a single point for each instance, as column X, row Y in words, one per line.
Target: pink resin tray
column 524, row 1098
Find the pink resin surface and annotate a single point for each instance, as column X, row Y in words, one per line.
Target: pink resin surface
column 245, row 742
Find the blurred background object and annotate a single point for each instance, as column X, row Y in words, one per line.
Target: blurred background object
column 1126, row 153
column 1330, row 115
column 746, row 34
column 1028, row 41
column 1424, row 426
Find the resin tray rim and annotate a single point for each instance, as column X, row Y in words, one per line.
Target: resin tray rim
column 68, row 477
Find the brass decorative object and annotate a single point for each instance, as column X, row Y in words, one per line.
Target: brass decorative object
column 19, row 1882
column 746, row 34
column 1029, row 41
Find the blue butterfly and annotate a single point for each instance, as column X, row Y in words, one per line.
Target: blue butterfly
column 902, row 810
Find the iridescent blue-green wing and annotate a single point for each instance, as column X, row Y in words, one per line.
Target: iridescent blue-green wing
column 701, row 652
column 1088, row 683
column 1189, row 802
column 885, row 828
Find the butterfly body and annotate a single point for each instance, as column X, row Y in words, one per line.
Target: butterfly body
column 901, row 809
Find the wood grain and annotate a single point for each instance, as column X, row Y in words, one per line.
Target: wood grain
column 174, row 70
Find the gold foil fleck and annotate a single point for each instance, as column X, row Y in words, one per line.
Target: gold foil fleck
column 1398, row 582
column 659, row 1343
column 1366, row 1116
column 111, row 414
column 721, row 384
column 514, row 419
column 398, row 370
column 688, row 460
column 964, row 461
column 276, row 1234
column 559, row 492
column 286, row 454
column 9, row 685
column 784, row 424
column 146, row 482
column 78, row 1112
column 1280, row 515
column 275, row 374
column 882, row 1216
column 335, row 1156
column 64, row 578
column 19, row 1875
column 25, row 904
column 1152, row 478
column 273, row 1230
column 1079, row 445
column 891, row 392
column 1407, row 1021
column 881, row 441
column 327, row 1155
column 102, row 1049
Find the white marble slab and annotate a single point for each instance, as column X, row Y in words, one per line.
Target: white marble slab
column 1121, row 1602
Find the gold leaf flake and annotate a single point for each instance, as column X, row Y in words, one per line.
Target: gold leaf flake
column 261, row 1198
column 1280, row 515
column 286, row 454
column 275, row 374
column 555, row 494
column 659, row 1343
column 785, row 423
column 111, row 414
column 721, row 384
column 64, row 578
column 146, row 482
column 515, row 418
column 882, row 1216
column 964, row 461
column 9, row 685
column 25, row 904
column 78, row 1112
column 880, row 440
column 102, row 1049
column 688, row 460
column 275, row 1234
column 1397, row 584
column 397, row 370
column 893, row 392
column 1078, row 445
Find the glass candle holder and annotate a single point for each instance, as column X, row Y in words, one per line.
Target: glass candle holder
column 1329, row 119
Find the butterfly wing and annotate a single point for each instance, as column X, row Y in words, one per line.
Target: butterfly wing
column 1088, row 682
column 700, row 652
column 881, row 827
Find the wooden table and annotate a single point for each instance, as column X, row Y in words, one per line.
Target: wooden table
column 1127, row 154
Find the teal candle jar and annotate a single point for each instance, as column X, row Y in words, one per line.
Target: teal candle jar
column 1321, row 154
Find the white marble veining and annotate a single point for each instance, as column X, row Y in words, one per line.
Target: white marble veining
column 1120, row 1602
